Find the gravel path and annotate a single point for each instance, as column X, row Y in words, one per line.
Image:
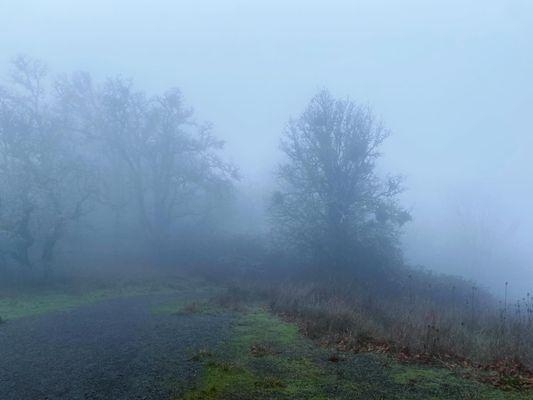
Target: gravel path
column 114, row 350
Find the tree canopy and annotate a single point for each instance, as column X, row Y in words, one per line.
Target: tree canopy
column 332, row 204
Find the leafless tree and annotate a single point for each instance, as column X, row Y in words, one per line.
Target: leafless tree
column 45, row 183
column 331, row 203
column 168, row 161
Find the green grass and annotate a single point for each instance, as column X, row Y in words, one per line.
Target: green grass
column 28, row 303
column 268, row 359
column 262, row 327
column 255, row 364
column 435, row 383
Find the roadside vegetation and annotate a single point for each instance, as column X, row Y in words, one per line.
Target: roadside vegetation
column 414, row 328
column 267, row 358
column 284, row 345
column 100, row 180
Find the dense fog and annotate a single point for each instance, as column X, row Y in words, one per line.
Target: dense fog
column 451, row 80
column 267, row 199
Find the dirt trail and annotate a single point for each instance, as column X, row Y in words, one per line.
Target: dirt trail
column 114, row 350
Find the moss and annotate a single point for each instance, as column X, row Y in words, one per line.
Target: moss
column 220, row 380
column 268, row 359
column 281, row 371
column 262, row 327
column 442, row 384
column 427, row 378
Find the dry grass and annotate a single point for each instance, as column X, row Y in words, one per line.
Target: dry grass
column 425, row 316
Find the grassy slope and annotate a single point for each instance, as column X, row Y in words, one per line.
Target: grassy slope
column 268, row 359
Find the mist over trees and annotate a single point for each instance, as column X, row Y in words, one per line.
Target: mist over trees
column 332, row 206
column 99, row 179
column 167, row 160
column 258, row 200
column 46, row 182
column 103, row 170
column 77, row 156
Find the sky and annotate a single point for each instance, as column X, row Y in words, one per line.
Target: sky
column 453, row 80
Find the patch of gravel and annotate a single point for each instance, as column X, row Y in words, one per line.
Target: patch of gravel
column 114, row 350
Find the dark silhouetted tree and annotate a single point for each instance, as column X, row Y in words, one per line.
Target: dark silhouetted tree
column 332, row 206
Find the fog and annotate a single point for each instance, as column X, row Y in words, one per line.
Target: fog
column 252, row 199
column 451, row 79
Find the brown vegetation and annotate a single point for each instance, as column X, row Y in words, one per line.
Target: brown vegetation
column 439, row 320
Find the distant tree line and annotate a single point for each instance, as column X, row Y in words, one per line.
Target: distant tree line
column 104, row 167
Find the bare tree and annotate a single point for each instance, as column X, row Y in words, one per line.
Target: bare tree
column 45, row 184
column 168, row 159
column 331, row 203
